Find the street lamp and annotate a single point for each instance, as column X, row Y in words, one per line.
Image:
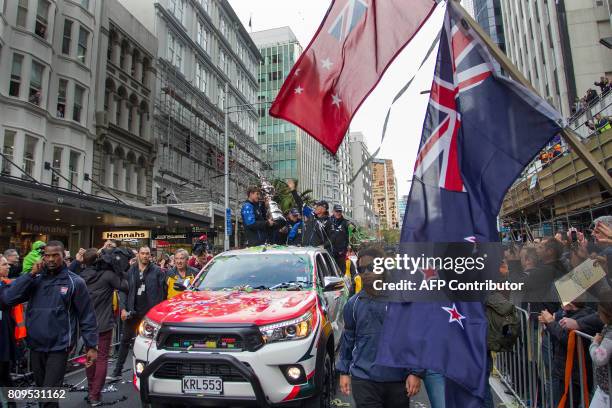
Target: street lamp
column 226, row 112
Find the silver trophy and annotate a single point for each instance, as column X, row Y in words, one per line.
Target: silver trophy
column 274, row 212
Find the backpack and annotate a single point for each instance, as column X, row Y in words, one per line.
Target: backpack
column 503, row 323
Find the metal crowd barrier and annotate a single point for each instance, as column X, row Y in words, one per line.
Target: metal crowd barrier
column 527, row 370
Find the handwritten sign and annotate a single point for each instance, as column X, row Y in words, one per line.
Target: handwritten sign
column 576, row 282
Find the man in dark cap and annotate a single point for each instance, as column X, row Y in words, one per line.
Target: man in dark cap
column 339, row 236
column 295, row 227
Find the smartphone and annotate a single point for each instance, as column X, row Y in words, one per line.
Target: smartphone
column 574, row 236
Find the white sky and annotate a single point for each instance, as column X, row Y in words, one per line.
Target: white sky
column 406, row 120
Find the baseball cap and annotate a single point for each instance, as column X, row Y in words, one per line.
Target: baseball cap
column 322, row 203
column 294, row 211
column 338, row 207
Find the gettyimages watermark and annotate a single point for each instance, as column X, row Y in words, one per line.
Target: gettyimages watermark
column 471, row 271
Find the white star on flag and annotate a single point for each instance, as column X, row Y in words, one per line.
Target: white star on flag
column 336, row 100
column 327, row 64
column 298, row 90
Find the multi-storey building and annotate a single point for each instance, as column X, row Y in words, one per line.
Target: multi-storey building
column 290, row 151
column 202, row 47
column 468, row 5
column 363, row 212
column 384, row 193
column 556, row 45
column 403, row 203
column 488, row 14
column 125, row 148
column 337, row 172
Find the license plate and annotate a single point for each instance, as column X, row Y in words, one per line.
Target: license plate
column 202, row 385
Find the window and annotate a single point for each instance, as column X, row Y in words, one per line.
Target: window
column 29, row 153
column 73, row 169
column 204, row 4
column 22, row 13
column 222, row 26
column 85, row 4
column 57, row 165
column 77, row 107
column 42, row 13
column 7, row 150
column 82, row 47
column 177, row 7
column 61, row 98
column 67, row 37
column 201, row 77
column 202, row 36
column 175, row 52
column 35, row 95
column 15, row 84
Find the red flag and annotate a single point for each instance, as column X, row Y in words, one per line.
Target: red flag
column 354, row 45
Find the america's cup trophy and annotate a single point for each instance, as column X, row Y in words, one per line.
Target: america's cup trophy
column 274, row 212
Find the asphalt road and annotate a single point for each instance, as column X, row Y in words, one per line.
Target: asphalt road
column 123, row 394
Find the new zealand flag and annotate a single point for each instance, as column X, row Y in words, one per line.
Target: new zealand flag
column 480, row 131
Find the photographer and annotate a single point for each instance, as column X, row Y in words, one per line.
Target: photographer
column 146, row 288
column 102, row 280
column 59, row 309
column 201, row 253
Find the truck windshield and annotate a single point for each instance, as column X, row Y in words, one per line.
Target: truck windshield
column 256, row 271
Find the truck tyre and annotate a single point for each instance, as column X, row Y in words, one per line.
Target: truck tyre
column 325, row 391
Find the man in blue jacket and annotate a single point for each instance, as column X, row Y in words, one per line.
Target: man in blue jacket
column 256, row 227
column 59, row 308
column 372, row 386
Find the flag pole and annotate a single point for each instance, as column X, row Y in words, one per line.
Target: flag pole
column 570, row 136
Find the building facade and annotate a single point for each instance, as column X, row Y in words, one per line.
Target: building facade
column 336, row 173
column 488, row 14
column 363, row 211
column 556, row 44
column 125, row 148
column 384, row 193
column 202, row 47
column 290, row 151
column 468, row 5
column 403, row 203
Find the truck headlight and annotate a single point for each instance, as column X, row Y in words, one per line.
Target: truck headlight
column 148, row 328
column 288, row 330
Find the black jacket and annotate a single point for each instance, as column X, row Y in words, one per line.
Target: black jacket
column 7, row 328
column 255, row 224
column 156, row 289
column 539, row 289
column 101, row 285
column 317, row 232
column 339, row 235
column 59, row 308
column 14, row 271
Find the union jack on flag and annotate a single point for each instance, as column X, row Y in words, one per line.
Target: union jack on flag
column 460, row 67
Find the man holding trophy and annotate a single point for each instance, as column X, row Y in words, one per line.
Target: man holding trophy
column 261, row 219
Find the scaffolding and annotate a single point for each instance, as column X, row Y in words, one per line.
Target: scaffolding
column 189, row 130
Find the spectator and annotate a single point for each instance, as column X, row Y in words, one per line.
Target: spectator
column 318, row 229
column 591, row 96
column 559, row 337
column 12, row 256
column 200, row 260
column 603, row 84
column 180, row 272
column 146, row 288
column 253, row 213
column 12, row 329
column 59, row 309
column 34, row 256
column 101, row 281
column 164, row 261
column 602, row 123
column 370, row 384
column 600, row 351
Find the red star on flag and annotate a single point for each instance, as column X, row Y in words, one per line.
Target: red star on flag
column 455, row 316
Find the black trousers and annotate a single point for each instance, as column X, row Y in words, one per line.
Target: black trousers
column 371, row 394
column 127, row 338
column 49, row 369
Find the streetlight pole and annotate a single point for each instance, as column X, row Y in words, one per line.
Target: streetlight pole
column 226, row 240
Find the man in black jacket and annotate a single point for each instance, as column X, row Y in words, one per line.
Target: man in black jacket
column 101, row 282
column 339, row 236
column 59, row 308
column 146, row 288
column 318, row 229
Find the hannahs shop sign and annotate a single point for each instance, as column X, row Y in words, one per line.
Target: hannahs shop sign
column 126, row 234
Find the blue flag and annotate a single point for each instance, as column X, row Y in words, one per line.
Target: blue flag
column 480, row 131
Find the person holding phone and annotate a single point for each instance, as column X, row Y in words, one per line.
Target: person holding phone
column 59, row 309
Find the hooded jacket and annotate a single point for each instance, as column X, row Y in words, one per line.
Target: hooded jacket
column 101, row 283
column 33, row 256
column 59, row 308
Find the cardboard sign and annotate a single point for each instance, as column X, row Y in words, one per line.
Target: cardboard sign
column 576, row 282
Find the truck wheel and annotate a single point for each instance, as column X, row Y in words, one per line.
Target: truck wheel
column 325, row 392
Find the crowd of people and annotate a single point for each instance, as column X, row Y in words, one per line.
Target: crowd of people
column 591, row 96
column 48, row 302
column 538, row 264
